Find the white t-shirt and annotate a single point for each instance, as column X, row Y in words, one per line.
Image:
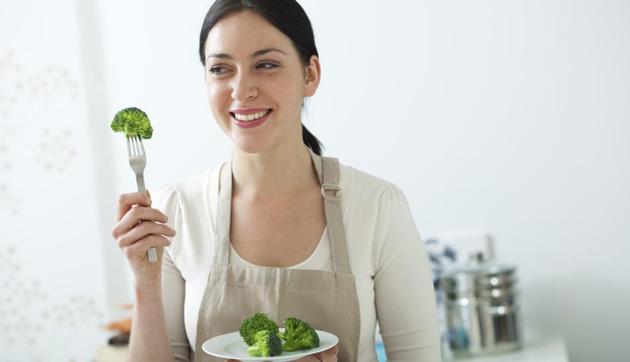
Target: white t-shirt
column 388, row 260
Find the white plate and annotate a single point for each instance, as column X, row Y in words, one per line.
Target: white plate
column 232, row 346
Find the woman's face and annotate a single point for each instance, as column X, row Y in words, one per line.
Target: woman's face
column 256, row 82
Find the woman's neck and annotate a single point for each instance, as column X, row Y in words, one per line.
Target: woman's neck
column 277, row 172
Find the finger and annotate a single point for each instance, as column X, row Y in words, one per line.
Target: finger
column 331, row 352
column 142, row 230
column 328, row 355
column 134, row 216
column 139, row 249
column 317, row 357
column 126, row 201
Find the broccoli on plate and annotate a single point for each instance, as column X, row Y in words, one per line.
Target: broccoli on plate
column 298, row 335
column 132, row 121
column 252, row 325
column 266, row 344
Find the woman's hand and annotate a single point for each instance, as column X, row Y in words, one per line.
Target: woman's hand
column 329, row 355
column 139, row 228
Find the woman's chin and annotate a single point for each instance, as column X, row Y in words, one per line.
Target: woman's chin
column 251, row 146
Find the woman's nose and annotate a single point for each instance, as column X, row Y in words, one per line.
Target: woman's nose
column 244, row 87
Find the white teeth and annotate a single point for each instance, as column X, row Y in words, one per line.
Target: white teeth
column 250, row 117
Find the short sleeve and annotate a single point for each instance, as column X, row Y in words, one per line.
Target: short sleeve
column 173, row 290
column 166, row 200
column 404, row 295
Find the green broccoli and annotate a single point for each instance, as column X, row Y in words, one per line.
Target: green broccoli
column 133, row 122
column 266, row 344
column 257, row 322
column 298, row 335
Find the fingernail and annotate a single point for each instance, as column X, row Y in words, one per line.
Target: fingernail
column 149, row 196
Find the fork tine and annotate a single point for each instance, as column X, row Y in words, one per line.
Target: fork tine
column 128, row 147
column 134, row 143
column 142, row 152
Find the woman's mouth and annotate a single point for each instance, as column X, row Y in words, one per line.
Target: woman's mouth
column 250, row 120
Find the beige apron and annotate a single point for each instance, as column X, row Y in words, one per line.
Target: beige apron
column 327, row 300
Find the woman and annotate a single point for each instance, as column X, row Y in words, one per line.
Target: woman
column 279, row 229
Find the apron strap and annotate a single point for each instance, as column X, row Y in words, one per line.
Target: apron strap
column 222, row 227
column 328, row 172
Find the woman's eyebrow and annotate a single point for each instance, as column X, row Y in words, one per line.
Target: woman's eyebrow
column 257, row 53
column 267, row 50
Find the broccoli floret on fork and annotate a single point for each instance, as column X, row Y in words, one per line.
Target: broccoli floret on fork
column 132, row 122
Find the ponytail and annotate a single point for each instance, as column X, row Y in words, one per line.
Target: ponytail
column 311, row 141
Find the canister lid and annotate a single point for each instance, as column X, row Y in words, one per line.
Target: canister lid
column 477, row 274
column 478, row 265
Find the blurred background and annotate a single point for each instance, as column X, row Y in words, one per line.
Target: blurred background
column 509, row 118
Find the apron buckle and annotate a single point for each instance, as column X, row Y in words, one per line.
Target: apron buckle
column 327, row 189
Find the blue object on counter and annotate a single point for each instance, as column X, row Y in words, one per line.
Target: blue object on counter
column 380, row 352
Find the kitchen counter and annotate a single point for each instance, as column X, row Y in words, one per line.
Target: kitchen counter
column 108, row 353
column 548, row 350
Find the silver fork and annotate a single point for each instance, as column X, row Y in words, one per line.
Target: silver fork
column 138, row 161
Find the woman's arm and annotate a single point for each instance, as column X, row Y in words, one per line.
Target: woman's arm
column 169, row 308
column 139, row 228
column 149, row 340
column 173, row 293
column 404, row 295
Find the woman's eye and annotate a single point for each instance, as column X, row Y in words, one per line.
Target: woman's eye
column 217, row 70
column 266, row 65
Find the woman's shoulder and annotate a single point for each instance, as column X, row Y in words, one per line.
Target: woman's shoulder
column 366, row 188
column 193, row 185
column 187, row 189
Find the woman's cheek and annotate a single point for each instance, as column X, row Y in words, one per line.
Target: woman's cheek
column 214, row 98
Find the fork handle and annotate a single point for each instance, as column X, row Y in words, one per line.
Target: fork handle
column 151, row 253
column 140, row 182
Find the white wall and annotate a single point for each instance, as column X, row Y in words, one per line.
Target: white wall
column 53, row 301
column 505, row 116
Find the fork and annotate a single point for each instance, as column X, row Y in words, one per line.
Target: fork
column 138, row 161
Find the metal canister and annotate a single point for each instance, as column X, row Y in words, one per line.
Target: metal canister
column 482, row 308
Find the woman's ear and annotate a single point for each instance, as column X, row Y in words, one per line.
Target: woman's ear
column 313, row 76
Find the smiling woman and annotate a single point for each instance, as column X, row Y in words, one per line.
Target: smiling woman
column 279, row 229
column 253, row 69
column 293, row 57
